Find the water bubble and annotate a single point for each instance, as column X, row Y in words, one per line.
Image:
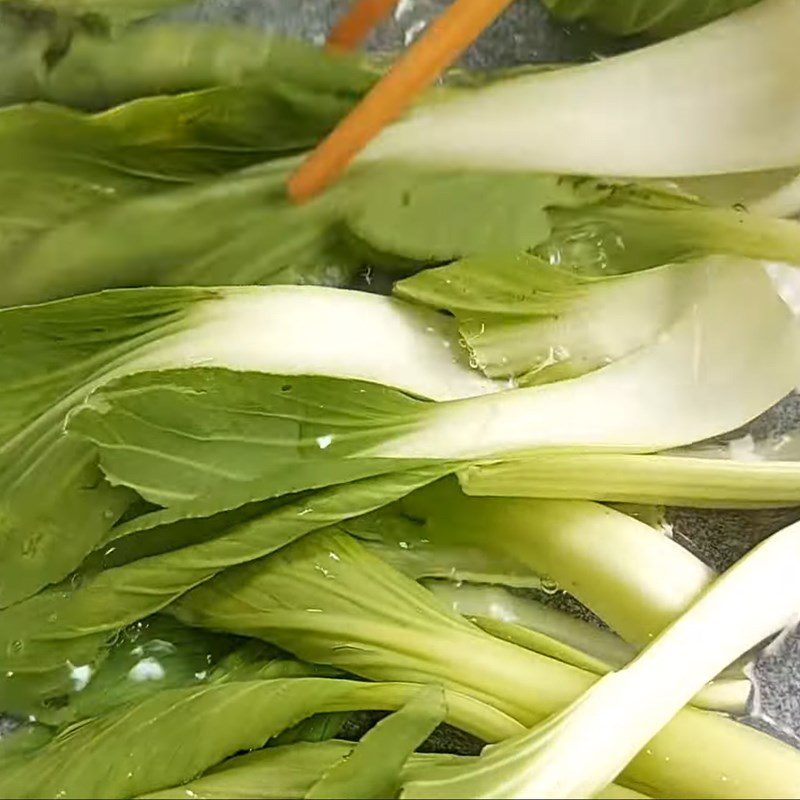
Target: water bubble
column 549, row 586
column 80, row 676
column 148, row 669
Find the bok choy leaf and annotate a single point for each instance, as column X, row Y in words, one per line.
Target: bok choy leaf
column 373, row 768
column 286, row 773
column 57, row 354
column 44, row 639
column 144, row 747
column 595, row 226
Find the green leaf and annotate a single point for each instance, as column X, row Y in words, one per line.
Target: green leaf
column 167, row 433
column 25, row 739
column 595, row 226
column 372, row 769
column 403, row 631
column 57, row 165
column 171, row 58
column 55, row 504
column 274, row 773
column 118, row 11
column 44, row 639
column 151, row 656
column 522, row 319
column 439, row 216
column 145, row 747
column 238, row 229
column 659, row 18
column 58, row 353
column 278, row 773
column 31, row 38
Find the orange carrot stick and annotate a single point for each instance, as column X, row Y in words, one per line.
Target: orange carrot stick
column 351, row 31
column 446, row 39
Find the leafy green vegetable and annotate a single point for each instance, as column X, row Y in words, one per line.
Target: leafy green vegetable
column 570, row 755
column 58, row 353
column 238, row 229
column 281, row 773
column 170, row 58
column 487, row 605
column 522, row 319
column 374, row 622
column 402, row 630
column 24, row 739
column 596, row 226
column 373, row 768
column 45, row 639
column 155, row 654
column 740, row 474
column 57, row 164
column 669, row 393
column 553, row 633
column 656, row 17
column 633, row 577
column 176, row 734
column 31, row 38
column 661, row 111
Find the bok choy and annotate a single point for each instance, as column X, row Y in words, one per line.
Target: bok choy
column 403, row 633
column 641, row 698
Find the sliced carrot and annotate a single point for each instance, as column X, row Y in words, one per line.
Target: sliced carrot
column 446, row 39
column 351, row 31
